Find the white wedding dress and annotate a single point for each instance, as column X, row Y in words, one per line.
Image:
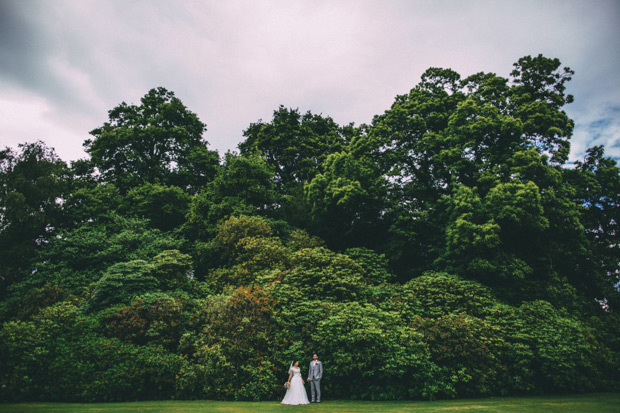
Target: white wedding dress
column 296, row 394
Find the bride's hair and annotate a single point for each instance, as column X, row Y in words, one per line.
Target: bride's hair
column 292, row 365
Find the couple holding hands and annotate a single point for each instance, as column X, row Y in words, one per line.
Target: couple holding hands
column 296, row 392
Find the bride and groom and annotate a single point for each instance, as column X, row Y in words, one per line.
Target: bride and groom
column 296, row 392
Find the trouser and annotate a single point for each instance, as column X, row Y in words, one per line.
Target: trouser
column 315, row 389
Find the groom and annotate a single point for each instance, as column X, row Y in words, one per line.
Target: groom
column 315, row 373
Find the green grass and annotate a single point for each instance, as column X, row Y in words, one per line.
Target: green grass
column 602, row 402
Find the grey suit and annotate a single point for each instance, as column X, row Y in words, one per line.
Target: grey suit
column 315, row 373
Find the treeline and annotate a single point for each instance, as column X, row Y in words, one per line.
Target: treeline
column 444, row 250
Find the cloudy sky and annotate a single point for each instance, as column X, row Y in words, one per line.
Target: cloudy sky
column 65, row 63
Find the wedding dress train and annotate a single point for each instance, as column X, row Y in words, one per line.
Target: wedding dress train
column 296, row 394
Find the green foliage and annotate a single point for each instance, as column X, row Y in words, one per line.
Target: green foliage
column 243, row 186
column 466, row 351
column 319, row 274
column 120, row 283
column 434, row 295
column 346, row 199
column 153, row 318
column 123, row 281
column 299, row 239
column 74, row 261
column 92, row 204
column 374, row 266
column 549, row 350
column 368, row 354
column 28, row 349
column 537, row 97
column 499, row 231
column 232, row 347
column 33, row 182
column 294, row 145
column 37, row 299
column 244, row 246
column 97, row 368
column 442, row 251
column 80, row 256
column 159, row 140
column 164, row 206
column 57, row 357
column 172, row 270
column 596, row 180
column 450, row 132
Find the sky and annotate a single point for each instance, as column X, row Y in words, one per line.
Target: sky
column 65, row 63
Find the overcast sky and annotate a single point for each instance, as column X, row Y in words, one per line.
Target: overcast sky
column 65, row 63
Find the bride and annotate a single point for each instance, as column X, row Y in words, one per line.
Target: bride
column 296, row 392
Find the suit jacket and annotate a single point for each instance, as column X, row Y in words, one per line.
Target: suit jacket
column 315, row 371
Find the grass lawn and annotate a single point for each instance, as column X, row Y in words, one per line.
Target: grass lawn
column 601, row 402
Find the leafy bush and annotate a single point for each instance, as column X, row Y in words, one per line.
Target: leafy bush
column 232, row 347
column 154, row 318
column 467, row 351
column 369, row 354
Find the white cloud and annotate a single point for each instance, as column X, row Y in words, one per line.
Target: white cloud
column 598, row 125
column 28, row 118
column 234, row 62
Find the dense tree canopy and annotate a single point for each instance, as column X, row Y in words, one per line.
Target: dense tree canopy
column 444, row 250
column 295, row 145
column 158, row 141
column 33, row 183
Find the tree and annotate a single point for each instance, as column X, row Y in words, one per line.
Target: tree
column 370, row 355
column 92, row 204
column 124, row 281
column 449, row 132
column 492, row 239
column 78, row 257
column 467, row 351
column 435, row 295
column 244, row 248
column 159, row 140
column 33, row 185
column 294, row 145
column 537, row 98
column 243, row 186
column 407, row 143
column 548, row 350
column 346, row 202
column 232, row 347
column 507, row 259
column 164, row 206
column 596, row 183
column 320, row 274
column 155, row 318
